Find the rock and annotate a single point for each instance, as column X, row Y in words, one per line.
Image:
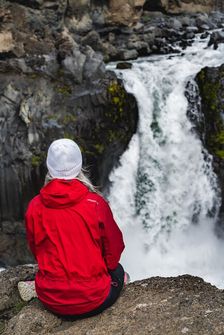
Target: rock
column 127, row 54
column 9, row 295
column 32, row 3
column 98, row 115
column 216, row 38
column 94, row 67
column 80, row 25
column 93, row 40
column 124, row 12
column 204, row 35
column 192, row 29
column 74, row 64
column 180, row 6
column 124, row 66
column 196, row 305
column 211, row 87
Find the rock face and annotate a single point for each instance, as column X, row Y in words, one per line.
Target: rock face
column 172, row 306
column 211, row 88
column 52, row 86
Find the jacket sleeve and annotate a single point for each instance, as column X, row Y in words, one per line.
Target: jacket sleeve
column 29, row 220
column 111, row 236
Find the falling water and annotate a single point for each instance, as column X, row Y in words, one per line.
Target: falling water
column 164, row 194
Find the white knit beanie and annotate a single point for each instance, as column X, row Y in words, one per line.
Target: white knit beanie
column 64, row 159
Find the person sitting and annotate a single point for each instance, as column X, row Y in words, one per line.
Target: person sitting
column 74, row 239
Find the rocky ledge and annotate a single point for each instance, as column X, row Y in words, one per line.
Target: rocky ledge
column 175, row 305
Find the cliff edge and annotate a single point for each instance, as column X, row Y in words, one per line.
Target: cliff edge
column 175, row 305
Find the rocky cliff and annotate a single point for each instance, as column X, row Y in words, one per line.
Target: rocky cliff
column 171, row 306
column 52, row 86
column 211, row 87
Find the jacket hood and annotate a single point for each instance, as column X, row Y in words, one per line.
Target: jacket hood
column 60, row 193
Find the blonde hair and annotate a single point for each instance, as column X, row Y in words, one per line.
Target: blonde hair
column 82, row 177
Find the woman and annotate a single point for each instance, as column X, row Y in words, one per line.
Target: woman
column 74, row 238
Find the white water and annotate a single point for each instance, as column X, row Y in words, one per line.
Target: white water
column 163, row 181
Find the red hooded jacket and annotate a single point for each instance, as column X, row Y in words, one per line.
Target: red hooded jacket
column 75, row 240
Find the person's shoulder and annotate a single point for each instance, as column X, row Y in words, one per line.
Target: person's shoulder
column 96, row 197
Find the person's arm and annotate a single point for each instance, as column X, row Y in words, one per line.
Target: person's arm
column 111, row 236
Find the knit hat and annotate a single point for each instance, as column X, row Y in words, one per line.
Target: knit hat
column 64, row 159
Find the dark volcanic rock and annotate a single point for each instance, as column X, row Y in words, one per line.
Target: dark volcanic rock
column 216, row 38
column 211, row 87
column 36, row 109
column 52, row 85
column 124, row 65
column 172, row 306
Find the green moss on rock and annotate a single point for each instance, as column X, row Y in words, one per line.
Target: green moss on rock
column 212, row 95
column 36, row 160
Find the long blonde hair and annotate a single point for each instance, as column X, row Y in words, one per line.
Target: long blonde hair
column 82, row 177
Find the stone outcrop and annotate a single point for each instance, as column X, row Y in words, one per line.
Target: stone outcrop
column 211, row 89
column 172, row 306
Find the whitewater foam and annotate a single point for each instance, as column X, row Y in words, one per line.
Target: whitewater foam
column 165, row 182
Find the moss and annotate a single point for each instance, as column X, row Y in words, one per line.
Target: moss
column 212, row 95
column 117, row 98
column 68, row 118
column 220, row 153
column 99, row 148
column 64, row 89
column 69, row 135
column 36, row 160
column 18, row 306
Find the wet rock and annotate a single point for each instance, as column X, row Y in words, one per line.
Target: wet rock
column 124, row 66
column 211, row 87
column 216, row 38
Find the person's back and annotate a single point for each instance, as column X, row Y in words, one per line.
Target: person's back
column 72, row 233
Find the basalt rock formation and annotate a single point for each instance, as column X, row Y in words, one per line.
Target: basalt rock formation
column 172, row 306
column 50, row 87
column 211, row 89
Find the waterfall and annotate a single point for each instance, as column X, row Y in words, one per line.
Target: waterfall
column 164, row 194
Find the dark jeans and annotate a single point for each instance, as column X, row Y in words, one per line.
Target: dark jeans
column 117, row 283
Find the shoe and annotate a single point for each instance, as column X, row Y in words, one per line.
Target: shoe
column 127, row 278
column 27, row 290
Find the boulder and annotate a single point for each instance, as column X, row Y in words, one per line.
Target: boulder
column 215, row 38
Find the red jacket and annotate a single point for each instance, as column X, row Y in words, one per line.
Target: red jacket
column 75, row 240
